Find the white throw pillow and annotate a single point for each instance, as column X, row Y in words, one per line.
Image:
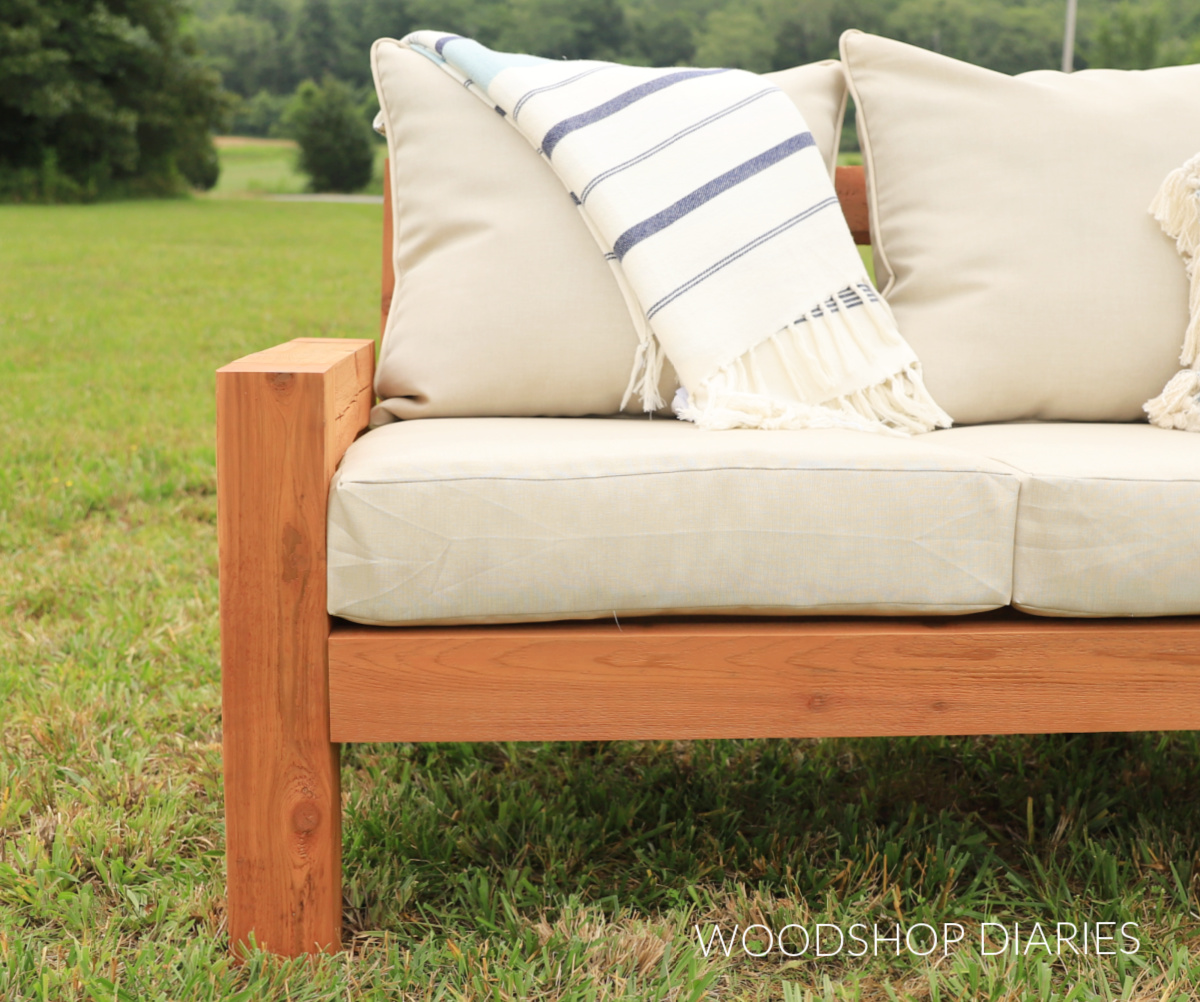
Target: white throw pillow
column 503, row 303
column 1008, row 217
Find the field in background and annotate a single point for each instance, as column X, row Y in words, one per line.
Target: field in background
column 254, row 167
column 489, row 871
column 257, row 167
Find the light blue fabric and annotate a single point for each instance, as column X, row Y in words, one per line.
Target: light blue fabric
column 478, row 62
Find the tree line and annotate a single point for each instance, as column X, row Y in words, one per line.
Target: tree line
column 104, row 97
column 266, row 48
column 273, row 45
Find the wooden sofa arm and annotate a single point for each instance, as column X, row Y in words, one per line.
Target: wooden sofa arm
column 285, row 416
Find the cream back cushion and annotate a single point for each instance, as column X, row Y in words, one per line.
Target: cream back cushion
column 1010, row 226
column 504, row 304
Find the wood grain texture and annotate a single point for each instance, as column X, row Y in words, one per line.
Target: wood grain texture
column 851, row 184
column 763, row 678
column 388, row 270
column 284, row 418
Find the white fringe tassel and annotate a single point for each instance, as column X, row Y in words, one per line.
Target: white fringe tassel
column 1178, row 406
column 648, row 359
column 1176, row 207
column 811, row 381
column 647, row 366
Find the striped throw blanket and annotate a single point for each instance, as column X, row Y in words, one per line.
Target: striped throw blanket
column 706, row 194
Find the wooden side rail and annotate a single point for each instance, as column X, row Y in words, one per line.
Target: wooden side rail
column 850, row 182
column 284, row 418
column 987, row 674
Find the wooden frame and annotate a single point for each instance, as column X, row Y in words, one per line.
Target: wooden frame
column 284, row 418
column 294, row 683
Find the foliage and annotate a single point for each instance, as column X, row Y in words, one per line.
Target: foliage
column 246, row 51
column 735, row 37
column 557, row 872
column 566, row 29
column 1001, row 36
column 1129, row 38
column 336, row 146
column 275, row 44
column 260, row 115
column 316, row 40
column 102, row 97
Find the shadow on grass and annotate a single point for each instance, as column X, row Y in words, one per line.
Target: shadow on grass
column 940, row 828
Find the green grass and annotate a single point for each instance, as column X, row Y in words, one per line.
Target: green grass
column 255, row 167
column 258, row 168
column 513, row 871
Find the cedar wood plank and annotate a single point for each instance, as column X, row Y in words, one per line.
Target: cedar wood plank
column 284, row 418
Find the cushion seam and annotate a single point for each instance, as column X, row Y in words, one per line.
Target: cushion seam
column 345, row 480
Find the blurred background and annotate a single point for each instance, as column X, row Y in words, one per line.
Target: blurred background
column 151, row 97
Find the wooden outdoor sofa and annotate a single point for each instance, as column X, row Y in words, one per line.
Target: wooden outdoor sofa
column 297, row 683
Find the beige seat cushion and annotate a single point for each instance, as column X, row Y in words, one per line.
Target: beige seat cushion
column 507, row 519
column 504, row 304
column 1011, row 232
column 1108, row 522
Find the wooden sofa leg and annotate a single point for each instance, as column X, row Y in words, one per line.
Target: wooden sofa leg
column 284, row 418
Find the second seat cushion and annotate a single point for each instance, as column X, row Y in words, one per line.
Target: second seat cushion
column 477, row 520
column 1107, row 523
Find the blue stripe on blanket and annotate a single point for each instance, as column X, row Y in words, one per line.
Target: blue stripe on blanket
column 690, row 202
column 560, row 130
column 849, row 299
column 554, row 86
column 441, row 42
column 715, row 116
column 745, row 249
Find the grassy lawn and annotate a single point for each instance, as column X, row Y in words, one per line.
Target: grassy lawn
column 257, row 167
column 254, row 167
column 513, row 871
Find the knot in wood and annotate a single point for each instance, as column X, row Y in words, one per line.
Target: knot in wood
column 306, row 817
